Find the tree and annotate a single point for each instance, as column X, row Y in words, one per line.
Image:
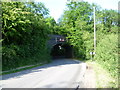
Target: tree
column 76, row 21
column 24, row 33
column 51, row 24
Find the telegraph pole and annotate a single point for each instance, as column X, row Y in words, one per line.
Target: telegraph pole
column 94, row 52
column 94, row 33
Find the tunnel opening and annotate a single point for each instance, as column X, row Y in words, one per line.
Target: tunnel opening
column 59, row 51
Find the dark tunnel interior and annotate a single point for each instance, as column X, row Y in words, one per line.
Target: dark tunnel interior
column 62, row 51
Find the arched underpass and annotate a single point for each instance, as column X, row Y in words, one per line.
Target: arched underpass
column 62, row 50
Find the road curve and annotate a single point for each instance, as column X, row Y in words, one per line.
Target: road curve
column 61, row 73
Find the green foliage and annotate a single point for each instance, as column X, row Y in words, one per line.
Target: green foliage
column 106, row 20
column 51, row 23
column 24, row 34
column 76, row 23
column 107, row 53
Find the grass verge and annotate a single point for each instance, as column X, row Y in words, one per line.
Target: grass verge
column 103, row 77
column 21, row 69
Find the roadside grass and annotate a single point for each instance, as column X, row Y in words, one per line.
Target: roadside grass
column 22, row 69
column 103, row 77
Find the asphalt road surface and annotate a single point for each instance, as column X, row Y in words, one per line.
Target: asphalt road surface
column 62, row 73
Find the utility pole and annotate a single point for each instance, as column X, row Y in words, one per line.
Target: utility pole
column 94, row 33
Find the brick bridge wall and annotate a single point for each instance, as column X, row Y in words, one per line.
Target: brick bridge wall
column 59, row 39
column 55, row 39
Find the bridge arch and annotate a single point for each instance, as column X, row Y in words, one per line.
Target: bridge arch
column 59, row 47
column 62, row 50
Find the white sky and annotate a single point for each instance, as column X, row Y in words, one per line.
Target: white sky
column 56, row 7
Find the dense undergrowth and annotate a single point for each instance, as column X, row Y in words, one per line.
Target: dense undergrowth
column 13, row 58
column 24, row 34
column 107, row 55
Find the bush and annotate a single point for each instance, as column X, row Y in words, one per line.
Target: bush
column 16, row 56
column 24, row 33
column 107, row 54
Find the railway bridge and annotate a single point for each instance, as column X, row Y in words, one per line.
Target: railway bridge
column 59, row 47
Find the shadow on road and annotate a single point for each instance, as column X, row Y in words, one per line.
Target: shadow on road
column 54, row 63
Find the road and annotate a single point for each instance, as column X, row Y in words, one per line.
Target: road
column 61, row 73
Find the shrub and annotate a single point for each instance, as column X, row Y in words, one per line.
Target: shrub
column 107, row 54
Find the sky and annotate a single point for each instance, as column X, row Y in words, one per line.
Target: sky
column 57, row 7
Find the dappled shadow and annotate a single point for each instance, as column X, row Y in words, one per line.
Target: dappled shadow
column 54, row 63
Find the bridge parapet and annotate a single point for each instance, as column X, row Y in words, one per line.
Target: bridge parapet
column 56, row 39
